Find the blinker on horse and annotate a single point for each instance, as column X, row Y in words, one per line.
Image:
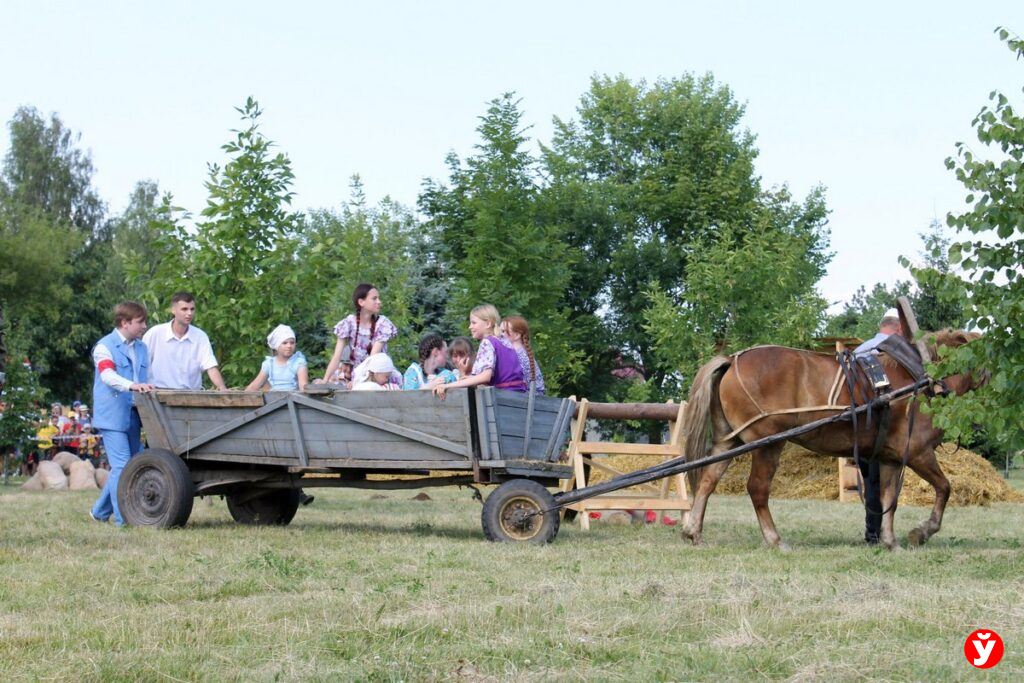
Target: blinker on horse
column 766, row 390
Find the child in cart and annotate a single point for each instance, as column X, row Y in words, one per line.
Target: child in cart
column 287, row 369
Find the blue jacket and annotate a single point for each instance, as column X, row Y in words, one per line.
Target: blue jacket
column 112, row 409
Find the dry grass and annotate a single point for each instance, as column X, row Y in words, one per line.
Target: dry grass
column 389, row 589
column 804, row 474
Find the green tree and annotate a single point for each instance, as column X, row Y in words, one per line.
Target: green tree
column 648, row 176
column 360, row 244
column 861, row 314
column 241, row 263
column 743, row 286
column 990, row 253
column 497, row 241
column 21, row 396
column 54, row 246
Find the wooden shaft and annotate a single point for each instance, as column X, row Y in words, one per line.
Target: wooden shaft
column 632, row 411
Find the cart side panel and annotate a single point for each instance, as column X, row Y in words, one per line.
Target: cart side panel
column 505, row 423
column 392, row 429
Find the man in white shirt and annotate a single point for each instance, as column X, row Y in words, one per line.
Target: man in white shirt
column 180, row 352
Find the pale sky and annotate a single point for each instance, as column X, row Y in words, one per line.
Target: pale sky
column 867, row 99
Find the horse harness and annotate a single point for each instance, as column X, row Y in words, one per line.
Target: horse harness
column 909, row 358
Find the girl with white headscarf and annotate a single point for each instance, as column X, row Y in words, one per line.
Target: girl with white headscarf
column 287, row 369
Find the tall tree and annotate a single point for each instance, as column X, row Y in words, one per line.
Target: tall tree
column 497, row 240
column 990, row 252
column 654, row 173
column 241, row 262
column 50, row 207
column 341, row 249
column 743, row 286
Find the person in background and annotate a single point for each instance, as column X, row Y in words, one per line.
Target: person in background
column 286, row 370
column 44, row 440
column 121, row 361
column 70, row 434
column 374, row 374
column 431, row 368
column 887, row 326
column 180, row 352
column 90, row 449
column 496, row 363
column 364, row 333
column 58, row 410
column 462, row 356
column 517, row 330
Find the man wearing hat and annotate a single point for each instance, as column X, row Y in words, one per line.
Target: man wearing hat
column 887, row 326
column 180, row 352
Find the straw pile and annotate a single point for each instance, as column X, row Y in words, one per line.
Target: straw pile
column 808, row 475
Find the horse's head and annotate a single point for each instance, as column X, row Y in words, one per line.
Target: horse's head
column 939, row 342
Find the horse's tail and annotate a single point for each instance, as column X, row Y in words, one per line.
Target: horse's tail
column 703, row 391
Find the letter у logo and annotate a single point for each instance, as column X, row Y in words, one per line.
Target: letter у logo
column 983, row 649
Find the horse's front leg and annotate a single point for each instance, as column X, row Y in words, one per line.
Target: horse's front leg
column 709, row 476
column 888, row 475
column 926, row 465
column 762, row 470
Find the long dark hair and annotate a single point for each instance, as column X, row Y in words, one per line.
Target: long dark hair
column 361, row 292
column 428, row 343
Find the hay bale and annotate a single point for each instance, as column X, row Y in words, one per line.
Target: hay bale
column 33, row 483
column 52, row 476
column 101, row 477
column 803, row 474
column 65, row 459
column 82, row 476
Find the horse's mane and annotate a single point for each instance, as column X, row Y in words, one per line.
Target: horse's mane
column 948, row 337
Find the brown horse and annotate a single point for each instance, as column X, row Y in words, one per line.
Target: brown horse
column 766, row 390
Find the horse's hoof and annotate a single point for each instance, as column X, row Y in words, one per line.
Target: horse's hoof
column 693, row 538
column 917, row 538
column 783, row 547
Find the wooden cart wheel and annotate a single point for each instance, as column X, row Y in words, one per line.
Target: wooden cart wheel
column 507, row 514
column 155, row 489
column 276, row 507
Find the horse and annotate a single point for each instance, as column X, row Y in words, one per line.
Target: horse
column 765, row 390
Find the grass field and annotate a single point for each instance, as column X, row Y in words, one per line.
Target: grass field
column 371, row 589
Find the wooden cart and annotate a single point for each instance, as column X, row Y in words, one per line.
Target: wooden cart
column 259, row 449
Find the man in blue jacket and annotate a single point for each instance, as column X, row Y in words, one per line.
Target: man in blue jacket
column 122, row 362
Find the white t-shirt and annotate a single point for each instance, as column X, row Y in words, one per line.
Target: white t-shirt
column 178, row 363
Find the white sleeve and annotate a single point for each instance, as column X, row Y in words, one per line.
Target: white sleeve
column 108, row 375
column 206, row 358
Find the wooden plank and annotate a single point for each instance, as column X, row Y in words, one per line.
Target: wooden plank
column 211, row 399
column 278, row 426
column 152, row 425
column 336, row 463
column 383, row 425
column 633, row 411
column 300, row 444
column 195, row 442
column 632, row 503
column 316, row 450
column 609, row 448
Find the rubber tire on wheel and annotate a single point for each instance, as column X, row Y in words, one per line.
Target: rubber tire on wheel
column 155, row 489
column 276, row 507
column 503, row 509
